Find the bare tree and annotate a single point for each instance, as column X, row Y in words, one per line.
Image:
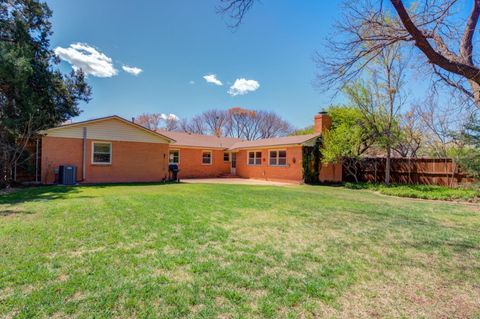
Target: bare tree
column 443, row 126
column 149, row 120
column 411, row 134
column 433, row 27
column 272, row 125
column 170, row 123
column 238, row 122
column 183, row 125
column 443, row 37
column 195, row 125
column 15, row 154
column 243, row 123
column 253, row 125
column 156, row 121
column 439, row 121
column 216, row 121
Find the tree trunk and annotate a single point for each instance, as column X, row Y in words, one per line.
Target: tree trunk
column 388, row 165
column 6, row 172
column 475, row 92
column 351, row 168
column 354, row 173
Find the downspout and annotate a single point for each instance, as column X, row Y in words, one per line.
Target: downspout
column 84, row 154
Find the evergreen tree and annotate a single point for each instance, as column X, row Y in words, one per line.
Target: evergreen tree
column 34, row 95
column 472, row 131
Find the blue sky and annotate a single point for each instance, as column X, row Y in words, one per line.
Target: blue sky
column 176, row 42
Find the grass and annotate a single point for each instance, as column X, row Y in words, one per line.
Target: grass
column 421, row 191
column 231, row 251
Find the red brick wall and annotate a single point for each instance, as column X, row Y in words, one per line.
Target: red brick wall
column 148, row 162
column 60, row 151
column 191, row 163
column 292, row 172
column 322, row 122
column 131, row 161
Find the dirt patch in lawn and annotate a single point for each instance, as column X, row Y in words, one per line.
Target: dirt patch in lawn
column 413, row 293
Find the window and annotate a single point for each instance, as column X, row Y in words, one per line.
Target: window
column 254, row 158
column 226, row 157
column 101, row 153
column 206, row 157
column 278, row 158
column 174, row 157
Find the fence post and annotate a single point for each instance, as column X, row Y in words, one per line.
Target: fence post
column 454, row 168
column 433, row 171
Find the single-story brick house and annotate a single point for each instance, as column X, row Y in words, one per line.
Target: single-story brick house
column 105, row 150
column 112, row 149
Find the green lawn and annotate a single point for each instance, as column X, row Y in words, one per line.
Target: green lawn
column 433, row 192
column 230, row 251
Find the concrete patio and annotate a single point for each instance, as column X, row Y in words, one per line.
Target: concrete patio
column 235, row 180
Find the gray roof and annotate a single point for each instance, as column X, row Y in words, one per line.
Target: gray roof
column 198, row 140
column 275, row 141
column 231, row 143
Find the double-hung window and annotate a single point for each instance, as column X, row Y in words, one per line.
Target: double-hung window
column 101, row 153
column 206, row 157
column 278, row 158
column 226, row 157
column 255, row 158
column 174, row 157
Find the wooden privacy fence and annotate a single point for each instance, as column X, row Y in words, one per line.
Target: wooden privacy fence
column 428, row 171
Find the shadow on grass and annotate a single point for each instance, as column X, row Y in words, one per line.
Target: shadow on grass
column 39, row 193
column 45, row 193
column 11, row 212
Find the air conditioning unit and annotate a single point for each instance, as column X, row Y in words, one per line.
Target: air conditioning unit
column 67, row 175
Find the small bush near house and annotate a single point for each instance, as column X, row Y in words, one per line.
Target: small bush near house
column 422, row 191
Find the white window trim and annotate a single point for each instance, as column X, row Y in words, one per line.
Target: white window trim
column 111, row 153
column 174, row 150
column 278, row 151
column 211, row 158
column 254, row 158
column 229, row 157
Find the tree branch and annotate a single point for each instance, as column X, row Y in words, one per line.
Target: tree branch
column 433, row 56
column 466, row 46
column 236, row 9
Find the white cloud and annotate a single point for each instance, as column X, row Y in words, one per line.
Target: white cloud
column 192, row 82
column 169, row 117
column 212, row 78
column 132, row 70
column 243, row 86
column 90, row 60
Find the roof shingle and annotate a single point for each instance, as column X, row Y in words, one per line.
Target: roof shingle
column 276, row 141
column 198, row 140
column 231, row 143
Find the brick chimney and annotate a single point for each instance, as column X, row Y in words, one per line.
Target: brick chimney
column 323, row 122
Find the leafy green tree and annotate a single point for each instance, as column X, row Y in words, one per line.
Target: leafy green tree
column 380, row 99
column 304, row 131
column 348, row 138
column 468, row 158
column 34, row 95
column 469, row 154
